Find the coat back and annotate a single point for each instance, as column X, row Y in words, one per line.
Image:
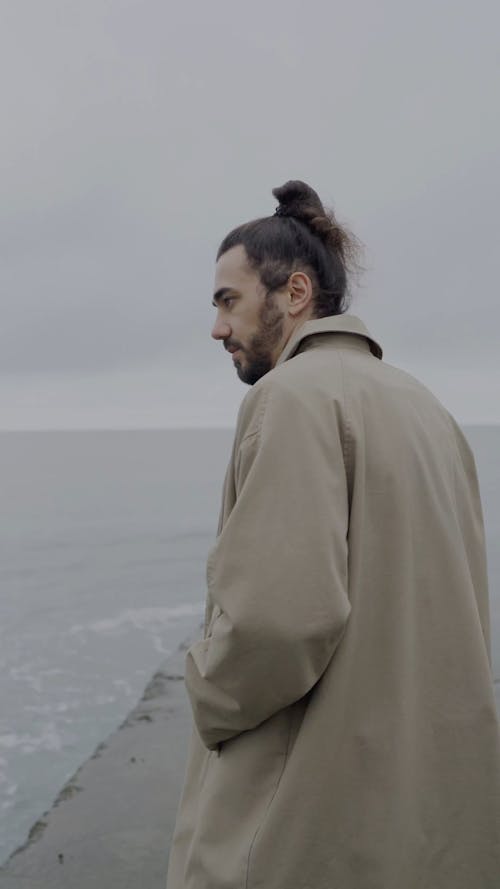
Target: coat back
column 345, row 731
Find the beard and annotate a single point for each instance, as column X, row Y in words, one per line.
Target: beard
column 259, row 352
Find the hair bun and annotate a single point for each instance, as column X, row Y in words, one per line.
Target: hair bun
column 297, row 199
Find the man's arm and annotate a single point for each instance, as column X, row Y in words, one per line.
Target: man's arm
column 278, row 573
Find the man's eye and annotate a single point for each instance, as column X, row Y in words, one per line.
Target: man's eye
column 228, row 299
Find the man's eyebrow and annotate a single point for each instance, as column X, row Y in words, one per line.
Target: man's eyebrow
column 220, row 293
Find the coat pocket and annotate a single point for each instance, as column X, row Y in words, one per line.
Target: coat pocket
column 241, row 778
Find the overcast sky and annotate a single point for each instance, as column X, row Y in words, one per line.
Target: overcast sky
column 136, row 133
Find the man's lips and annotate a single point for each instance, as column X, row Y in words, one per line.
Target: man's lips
column 232, row 349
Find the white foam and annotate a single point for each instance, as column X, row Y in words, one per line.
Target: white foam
column 105, row 699
column 59, row 707
column 124, row 686
column 9, row 792
column 148, row 619
column 10, row 740
column 24, row 674
column 47, row 739
column 159, row 646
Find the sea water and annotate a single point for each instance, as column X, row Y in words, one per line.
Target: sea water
column 104, row 537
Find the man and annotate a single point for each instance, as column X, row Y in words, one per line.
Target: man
column 345, row 733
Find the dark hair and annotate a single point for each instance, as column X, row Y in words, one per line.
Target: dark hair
column 301, row 235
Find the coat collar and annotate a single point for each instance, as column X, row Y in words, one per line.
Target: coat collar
column 340, row 324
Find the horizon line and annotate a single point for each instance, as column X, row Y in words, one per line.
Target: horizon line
column 489, row 423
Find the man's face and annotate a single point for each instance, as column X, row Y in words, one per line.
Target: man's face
column 250, row 325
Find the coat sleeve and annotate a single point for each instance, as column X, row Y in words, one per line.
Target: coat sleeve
column 278, row 573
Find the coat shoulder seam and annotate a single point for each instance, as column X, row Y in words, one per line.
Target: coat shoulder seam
column 259, row 417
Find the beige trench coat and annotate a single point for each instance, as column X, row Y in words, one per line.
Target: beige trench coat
column 345, row 733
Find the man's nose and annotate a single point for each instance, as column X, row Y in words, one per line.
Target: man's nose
column 221, row 329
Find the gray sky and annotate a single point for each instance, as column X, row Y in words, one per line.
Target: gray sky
column 136, row 133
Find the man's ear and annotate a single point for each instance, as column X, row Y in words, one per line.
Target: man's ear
column 300, row 292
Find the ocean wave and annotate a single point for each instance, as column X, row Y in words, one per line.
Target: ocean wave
column 149, row 619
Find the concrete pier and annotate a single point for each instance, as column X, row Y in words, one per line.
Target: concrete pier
column 111, row 825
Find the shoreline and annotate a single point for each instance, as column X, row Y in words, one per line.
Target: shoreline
column 111, row 823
